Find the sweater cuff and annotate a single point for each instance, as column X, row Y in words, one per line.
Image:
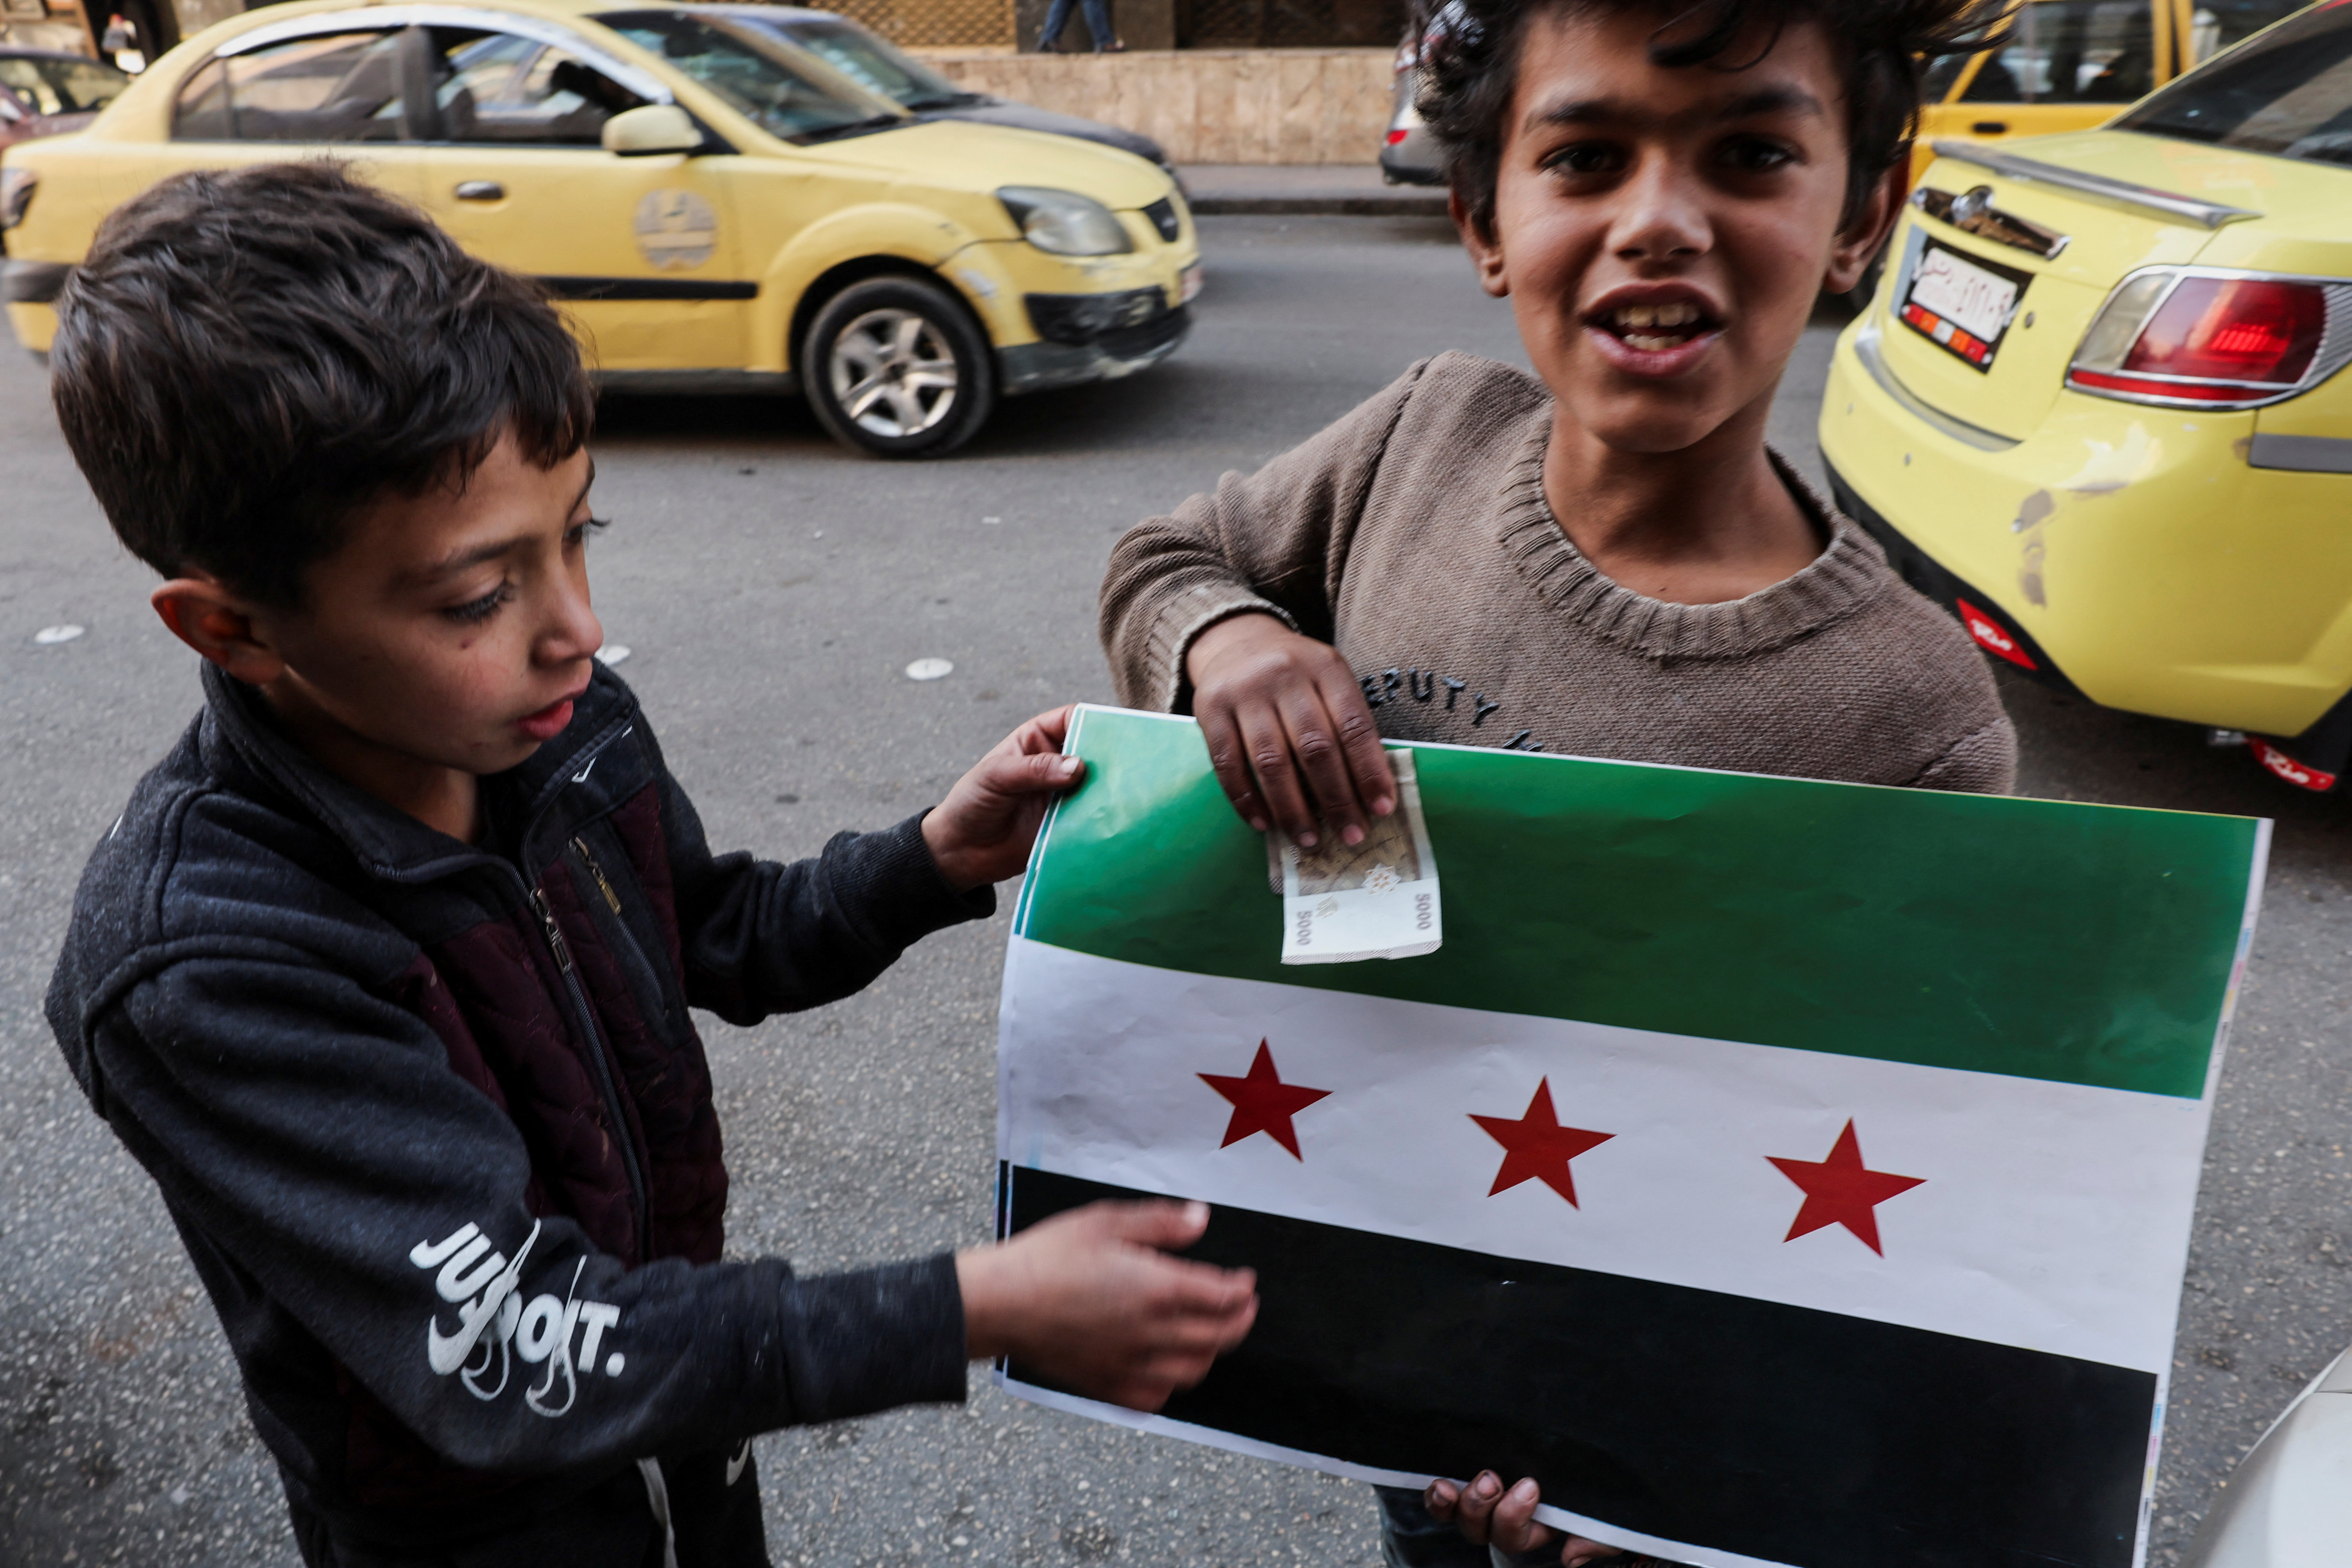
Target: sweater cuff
column 1181, row 624
column 877, row 1338
column 894, row 889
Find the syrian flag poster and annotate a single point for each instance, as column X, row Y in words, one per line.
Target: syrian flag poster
column 1780, row 1172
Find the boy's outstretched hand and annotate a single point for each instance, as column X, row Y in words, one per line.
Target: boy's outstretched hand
column 1091, row 1300
column 1289, row 730
column 981, row 832
column 1490, row 1515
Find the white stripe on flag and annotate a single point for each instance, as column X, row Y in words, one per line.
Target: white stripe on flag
column 2050, row 1216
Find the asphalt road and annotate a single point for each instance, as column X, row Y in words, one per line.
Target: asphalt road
column 771, row 590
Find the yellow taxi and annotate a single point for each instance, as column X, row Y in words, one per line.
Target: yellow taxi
column 2068, row 65
column 717, row 210
column 2095, row 406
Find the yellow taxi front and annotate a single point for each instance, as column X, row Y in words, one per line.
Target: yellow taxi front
column 2096, row 408
column 716, row 212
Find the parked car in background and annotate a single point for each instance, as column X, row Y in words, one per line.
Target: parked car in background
column 44, row 92
column 2069, row 65
column 878, row 66
column 1409, row 154
column 2095, row 407
column 715, row 214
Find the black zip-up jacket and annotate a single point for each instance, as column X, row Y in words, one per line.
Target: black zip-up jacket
column 437, row 1128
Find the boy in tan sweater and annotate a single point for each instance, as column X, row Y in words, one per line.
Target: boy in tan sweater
column 1603, row 559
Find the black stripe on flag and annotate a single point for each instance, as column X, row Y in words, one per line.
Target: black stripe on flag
column 1783, row 1432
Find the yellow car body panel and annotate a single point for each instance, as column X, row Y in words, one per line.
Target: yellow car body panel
column 1998, row 123
column 783, row 217
column 2154, row 566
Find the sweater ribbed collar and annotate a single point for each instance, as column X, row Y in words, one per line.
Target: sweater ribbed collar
column 1846, row 574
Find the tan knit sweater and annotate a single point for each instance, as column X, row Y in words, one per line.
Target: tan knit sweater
column 1413, row 536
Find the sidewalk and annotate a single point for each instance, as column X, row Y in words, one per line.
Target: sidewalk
column 1354, row 188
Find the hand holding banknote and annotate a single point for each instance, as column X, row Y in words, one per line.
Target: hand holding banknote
column 1289, row 730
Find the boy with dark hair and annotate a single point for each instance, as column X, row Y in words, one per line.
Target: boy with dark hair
column 1603, row 559
column 384, row 973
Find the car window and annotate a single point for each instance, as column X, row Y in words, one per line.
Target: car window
column 498, row 88
column 2287, row 92
column 872, row 64
column 335, row 87
column 755, row 80
column 2066, row 51
column 63, row 87
column 2218, row 24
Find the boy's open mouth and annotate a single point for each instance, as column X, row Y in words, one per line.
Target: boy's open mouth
column 1656, row 328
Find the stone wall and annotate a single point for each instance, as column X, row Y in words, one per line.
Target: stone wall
column 1206, row 105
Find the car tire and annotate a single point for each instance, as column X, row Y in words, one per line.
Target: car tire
column 897, row 367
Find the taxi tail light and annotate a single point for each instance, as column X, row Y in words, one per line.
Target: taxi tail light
column 2218, row 341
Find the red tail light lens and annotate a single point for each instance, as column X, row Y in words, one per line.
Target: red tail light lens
column 2217, row 340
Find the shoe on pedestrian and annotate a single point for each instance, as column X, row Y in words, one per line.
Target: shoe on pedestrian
column 1048, row 47
column 1113, row 47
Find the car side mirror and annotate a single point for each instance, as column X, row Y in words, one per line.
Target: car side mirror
column 654, row 128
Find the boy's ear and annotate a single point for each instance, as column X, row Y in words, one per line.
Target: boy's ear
column 201, row 611
column 1485, row 254
column 1861, row 240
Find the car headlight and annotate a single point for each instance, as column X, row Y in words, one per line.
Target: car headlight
column 1064, row 222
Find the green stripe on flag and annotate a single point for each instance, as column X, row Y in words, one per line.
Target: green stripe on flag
column 2041, row 939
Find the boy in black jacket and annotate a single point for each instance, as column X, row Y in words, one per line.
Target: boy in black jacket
column 384, row 973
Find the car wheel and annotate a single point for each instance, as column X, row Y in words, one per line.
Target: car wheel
column 895, row 367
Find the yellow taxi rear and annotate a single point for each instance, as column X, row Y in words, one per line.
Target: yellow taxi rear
column 715, row 213
column 2095, row 406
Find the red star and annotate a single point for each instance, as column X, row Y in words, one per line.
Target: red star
column 1840, row 1191
column 1263, row 1102
column 1538, row 1147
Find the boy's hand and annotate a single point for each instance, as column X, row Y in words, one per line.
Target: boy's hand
column 981, row 832
column 1485, row 1513
column 1289, row 730
column 1091, row 1300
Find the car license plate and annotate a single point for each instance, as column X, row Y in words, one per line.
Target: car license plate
column 1961, row 303
column 1190, row 287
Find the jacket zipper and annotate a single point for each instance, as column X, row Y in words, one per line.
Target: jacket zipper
column 612, row 899
column 604, row 1086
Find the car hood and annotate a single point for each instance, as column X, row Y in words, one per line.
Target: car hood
column 958, row 154
column 1027, row 117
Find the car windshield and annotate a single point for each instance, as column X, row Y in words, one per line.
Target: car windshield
column 752, row 77
column 2288, row 92
column 868, row 61
column 2059, row 51
column 63, row 86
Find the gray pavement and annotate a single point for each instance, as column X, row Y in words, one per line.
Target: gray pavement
column 771, row 590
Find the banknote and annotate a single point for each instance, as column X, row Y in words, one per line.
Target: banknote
column 1342, row 902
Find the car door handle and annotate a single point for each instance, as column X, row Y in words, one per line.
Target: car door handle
column 480, row 190
column 1982, row 128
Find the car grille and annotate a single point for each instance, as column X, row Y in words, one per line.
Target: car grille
column 1163, row 214
column 1135, row 342
column 1085, row 317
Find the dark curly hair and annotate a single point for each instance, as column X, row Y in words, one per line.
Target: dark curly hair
column 246, row 359
column 1471, row 64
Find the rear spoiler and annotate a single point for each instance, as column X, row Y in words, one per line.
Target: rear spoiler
column 2165, row 204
